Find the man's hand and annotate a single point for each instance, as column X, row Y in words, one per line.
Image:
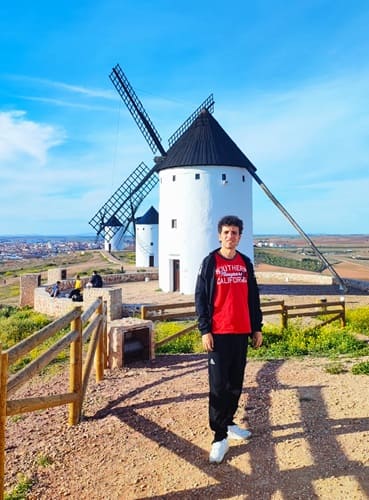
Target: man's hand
column 208, row 342
column 257, row 340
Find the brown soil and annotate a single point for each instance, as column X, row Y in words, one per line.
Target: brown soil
column 145, row 435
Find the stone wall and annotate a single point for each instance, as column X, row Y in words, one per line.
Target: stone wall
column 110, row 279
column 56, row 274
column 271, row 277
column 58, row 306
column 40, row 300
column 52, row 306
column 112, row 296
column 122, row 332
column 28, row 284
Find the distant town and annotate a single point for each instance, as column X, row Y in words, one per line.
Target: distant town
column 23, row 248
column 30, row 247
column 39, row 247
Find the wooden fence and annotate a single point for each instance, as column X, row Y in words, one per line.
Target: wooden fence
column 330, row 311
column 91, row 325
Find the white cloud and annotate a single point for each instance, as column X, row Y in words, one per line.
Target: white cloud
column 75, row 89
column 21, row 137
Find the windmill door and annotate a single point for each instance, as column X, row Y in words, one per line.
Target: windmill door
column 151, row 261
column 176, row 275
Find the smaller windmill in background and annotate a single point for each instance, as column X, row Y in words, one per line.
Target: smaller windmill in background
column 202, row 176
column 123, row 204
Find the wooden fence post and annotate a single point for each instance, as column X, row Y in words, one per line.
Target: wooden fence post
column 75, row 372
column 3, row 403
column 323, row 303
column 284, row 316
column 105, row 334
column 343, row 316
column 99, row 353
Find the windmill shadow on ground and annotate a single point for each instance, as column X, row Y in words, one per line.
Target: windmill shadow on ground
column 264, row 476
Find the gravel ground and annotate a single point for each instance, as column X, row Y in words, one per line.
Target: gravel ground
column 144, row 432
column 144, row 435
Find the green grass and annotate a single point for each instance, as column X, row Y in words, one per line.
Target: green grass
column 188, row 343
column 44, row 460
column 8, row 291
column 331, row 340
column 21, row 490
column 295, row 341
column 358, row 319
column 361, row 368
column 335, row 368
column 17, row 324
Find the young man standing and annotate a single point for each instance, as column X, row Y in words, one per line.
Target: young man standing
column 228, row 308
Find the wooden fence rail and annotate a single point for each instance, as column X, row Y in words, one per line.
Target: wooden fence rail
column 332, row 311
column 183, row 310
column 91, row 325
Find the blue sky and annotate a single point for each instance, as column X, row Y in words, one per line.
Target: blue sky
column 290, row 82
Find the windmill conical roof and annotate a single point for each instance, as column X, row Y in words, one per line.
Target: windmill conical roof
column 150, row 217
column 205, row 143
column 113, row 221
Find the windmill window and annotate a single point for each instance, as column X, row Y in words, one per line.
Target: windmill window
column 197, row 176
column 173, row 178
column 174, row 223
column 243, row 178
column 224, row 177
column 151, row 243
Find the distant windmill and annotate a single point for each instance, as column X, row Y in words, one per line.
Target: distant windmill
column 124, row 203
column 203, row 176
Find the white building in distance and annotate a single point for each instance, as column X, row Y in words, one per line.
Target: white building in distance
column 113, row 237
column 147, row 254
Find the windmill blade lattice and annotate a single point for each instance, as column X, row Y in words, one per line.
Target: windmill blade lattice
column 136, row 109
column 123, row 204
column 207, row 104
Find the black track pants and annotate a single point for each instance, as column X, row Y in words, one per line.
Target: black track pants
column 226, row 366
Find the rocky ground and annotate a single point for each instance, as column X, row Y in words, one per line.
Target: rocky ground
column 144, row 433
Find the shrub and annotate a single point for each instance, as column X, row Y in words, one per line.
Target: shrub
column 18, row 323
column 335, row 368
column 358, row 319
column 21, row 490
column 361, row 368
column 190, row 342
column 328, row 340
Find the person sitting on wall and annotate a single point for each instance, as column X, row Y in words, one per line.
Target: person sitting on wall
column 55, row 289
column 96, row 280
column 76, row 293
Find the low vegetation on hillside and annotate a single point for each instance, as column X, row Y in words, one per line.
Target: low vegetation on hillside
column 283, row 259
column 297, row 340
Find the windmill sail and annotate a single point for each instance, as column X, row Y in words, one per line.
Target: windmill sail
column 124, row 203
column 316, row 250
column 136, row 109
column 207, row 104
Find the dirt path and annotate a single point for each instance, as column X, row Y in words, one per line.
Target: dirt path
column 145, row 435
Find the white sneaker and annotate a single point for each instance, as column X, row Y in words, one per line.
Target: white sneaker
column 218, row 450
column 235, row 432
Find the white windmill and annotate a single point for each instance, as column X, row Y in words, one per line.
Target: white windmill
column 147, row 239
column 203, row 176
